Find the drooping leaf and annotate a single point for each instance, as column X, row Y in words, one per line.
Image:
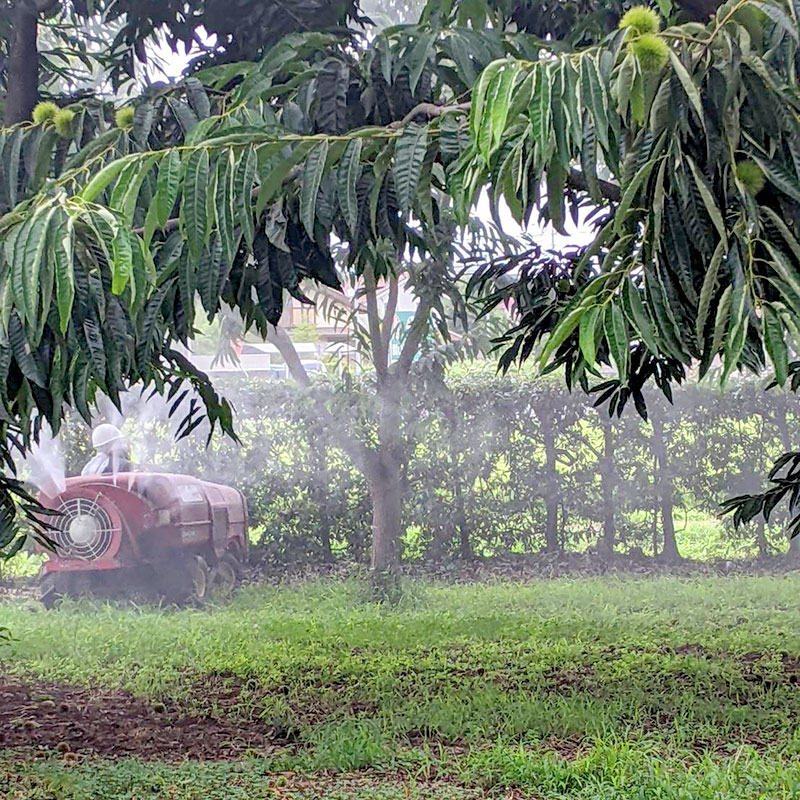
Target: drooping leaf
column 616, row 331
column 779, row 17
column 688, row 84
column 349, row 171
column 779, row 176
column 169, row 179
column 775, row 343
column 541, row 109
column 131, row 193
column 621, row 217
column 478, row 103
column 193, row 216
column 638, row 316
column 243, row 194
column 586, row 334
column 708, row 200
column 708, row 289
column 313, row 171
column 122, row 264
column 63, row 247
column 418, row 58
column 409, row 156
column 225, row 199
column 496, row 107
column 26, row 261
column 103, row 178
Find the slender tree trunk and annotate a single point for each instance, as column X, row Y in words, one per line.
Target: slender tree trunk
column 320, row 494
column 550, row 489
column 464, row 544
column 665, row 492
column 459, row 511
column 551, row 540
column 23, row 65
column 607, row 477
column 386, row 491
column 654, row 528
column 761, row 537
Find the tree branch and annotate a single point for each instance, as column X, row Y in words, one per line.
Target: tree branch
column 278, row 337
column 379, row 352
column 358, row 452
column 577, row 180
column 417, row 329
column 388, row 314
column 428, row 111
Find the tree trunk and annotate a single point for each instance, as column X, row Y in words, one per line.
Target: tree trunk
column 23, row 65
column 665, row 492
column 654, row 530
column 320, row 482
column 385, row 486
column 386, row 513
column 464, row 544
column 761, row 538
column 607, row 477
column 551, row 542
column 459, row 511
column 386, row 494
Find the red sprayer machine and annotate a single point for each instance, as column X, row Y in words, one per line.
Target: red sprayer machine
column 181, row 534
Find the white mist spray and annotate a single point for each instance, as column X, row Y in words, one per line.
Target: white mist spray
column 44, row 466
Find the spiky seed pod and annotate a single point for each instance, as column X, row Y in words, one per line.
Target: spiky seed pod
column 651, row 51
column 44, row 112
column 63, row 122
column 751, row 176
column 639, row 20
column 124, row 117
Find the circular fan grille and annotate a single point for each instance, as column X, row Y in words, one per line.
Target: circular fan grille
column 84, row 529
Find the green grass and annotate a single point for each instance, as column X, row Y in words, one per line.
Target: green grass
column 610, row 772
column 586, row 688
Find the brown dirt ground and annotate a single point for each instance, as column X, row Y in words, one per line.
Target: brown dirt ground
column 48, row 717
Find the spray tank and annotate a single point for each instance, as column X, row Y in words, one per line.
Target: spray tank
column 114, row 529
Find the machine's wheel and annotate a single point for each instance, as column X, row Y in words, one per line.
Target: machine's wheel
column 50, row 590
column 199, row 579
column 224, row 576
column 184, row 580
column 79, row 584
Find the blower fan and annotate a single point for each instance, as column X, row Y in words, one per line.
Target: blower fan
column 84, row 529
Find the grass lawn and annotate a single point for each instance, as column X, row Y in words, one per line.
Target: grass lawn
column 661, row 689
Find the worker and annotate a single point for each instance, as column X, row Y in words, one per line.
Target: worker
column 112, row 454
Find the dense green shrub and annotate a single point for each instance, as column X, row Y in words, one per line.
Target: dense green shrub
column 494, row 465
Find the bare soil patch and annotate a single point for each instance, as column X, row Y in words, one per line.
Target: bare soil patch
column 49, row 717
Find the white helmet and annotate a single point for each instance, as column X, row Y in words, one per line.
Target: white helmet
column 105, row 435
